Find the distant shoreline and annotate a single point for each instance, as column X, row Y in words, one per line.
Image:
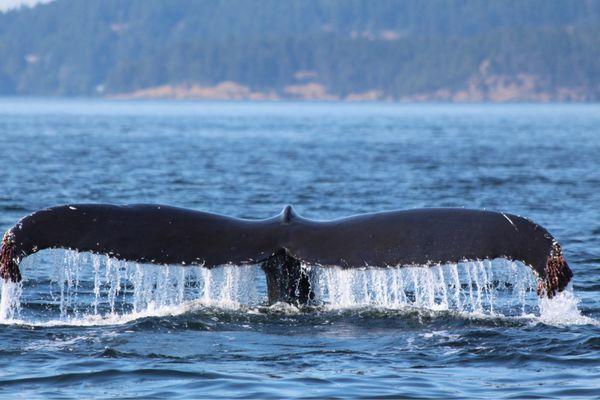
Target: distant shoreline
column 8, row 102
column 498, row 91
column 119, row 98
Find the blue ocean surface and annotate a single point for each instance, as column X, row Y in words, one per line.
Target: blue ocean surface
column 84, row 326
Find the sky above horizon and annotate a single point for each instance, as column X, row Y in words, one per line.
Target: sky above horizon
column 10, row 4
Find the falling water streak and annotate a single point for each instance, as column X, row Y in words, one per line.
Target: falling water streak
column 96, row 265
column 93, row 286
column 489, row 287
column 456, row 284
column 10, row 305
column 470, row 283
column 99, row 287
column 478, row 285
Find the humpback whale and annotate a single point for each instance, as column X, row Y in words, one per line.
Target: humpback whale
column 283, row 244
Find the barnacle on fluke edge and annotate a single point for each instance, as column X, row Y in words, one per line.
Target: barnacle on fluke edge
column 9, row 264
column 558, row 273
column 169, row 235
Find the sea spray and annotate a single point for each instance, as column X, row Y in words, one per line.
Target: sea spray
column 563, row 309
column 478, row 287
column 94, row 288
column 89, row 286
column 10, row 301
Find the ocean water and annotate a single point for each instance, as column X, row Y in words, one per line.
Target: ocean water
column 83, row 326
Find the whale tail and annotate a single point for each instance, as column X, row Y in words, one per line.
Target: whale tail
column 283, row 244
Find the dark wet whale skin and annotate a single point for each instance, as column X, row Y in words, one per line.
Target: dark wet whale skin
column 168, row 235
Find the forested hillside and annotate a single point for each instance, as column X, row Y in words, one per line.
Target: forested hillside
column 460, row 50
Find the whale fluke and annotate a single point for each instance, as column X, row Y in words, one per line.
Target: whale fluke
column 168, row 235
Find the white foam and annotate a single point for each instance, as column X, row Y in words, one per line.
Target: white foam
column 563, row 309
